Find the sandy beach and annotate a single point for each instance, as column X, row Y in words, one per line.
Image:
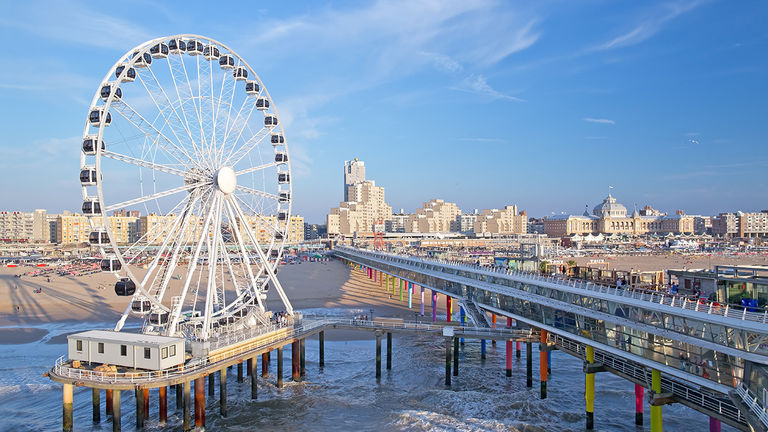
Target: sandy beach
column 309, row 286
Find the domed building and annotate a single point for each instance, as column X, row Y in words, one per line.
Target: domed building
column 610, row 217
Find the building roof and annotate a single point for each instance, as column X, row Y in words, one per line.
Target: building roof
column 126, row 337
column 609, row 206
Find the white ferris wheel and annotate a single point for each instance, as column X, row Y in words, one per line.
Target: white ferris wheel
column 183, row 131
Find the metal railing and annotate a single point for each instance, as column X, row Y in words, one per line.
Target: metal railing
column 681, row 302
column 753, row 403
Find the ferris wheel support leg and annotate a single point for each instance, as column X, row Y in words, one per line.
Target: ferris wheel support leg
column 244, row 252
column 193, row 265
column 265, row 260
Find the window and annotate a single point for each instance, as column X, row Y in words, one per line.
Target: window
column 147, row 353
column 173, row 350
column 123, row 350
column 79, row 345
column 164, row 352
column 101, row 347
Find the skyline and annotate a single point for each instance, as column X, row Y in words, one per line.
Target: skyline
column 480, row 104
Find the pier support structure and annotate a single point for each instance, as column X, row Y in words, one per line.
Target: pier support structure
column 434, row 306
column 448, row 309
column 117, row 424
column 639, row 392
column 108, row 408
column 543, row 362
column 279, row 367
column 656, row 423
column 212, row 384
column 378, row 355
column 389, row 350
column 321, row 343
column 455, row 356
column 528, row 364
column 139, row 408
column 66, row 415
column 223, row 391
column 295, row 354
column 265, row 364
column 509, row 358
column 303, row 358
column 162, row 400
column 200, row 402
column 589, row 394
column 96, row 405
column 448, row 360
column 186, row 424
column 254, row 383
column 240, row 372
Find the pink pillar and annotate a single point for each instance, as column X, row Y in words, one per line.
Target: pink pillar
column 714, row 425
column 448, row 308
column 434, row 306
column 509, row 358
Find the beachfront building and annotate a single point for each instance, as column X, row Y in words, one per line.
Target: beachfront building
column 364, row 208
column 153, row 228
column 466, row 222
column 434, row 216
column 741, row 224
column 398, row 222
column 354, row 173
column 610, row 217
column 501, row 221
column 740, row 285
column 24, row 227
column 263, row 227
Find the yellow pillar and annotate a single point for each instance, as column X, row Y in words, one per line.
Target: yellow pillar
column 589, row 393
column 656, row 425
column 67, row 408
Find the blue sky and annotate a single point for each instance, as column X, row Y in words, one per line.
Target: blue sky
column 481, row 103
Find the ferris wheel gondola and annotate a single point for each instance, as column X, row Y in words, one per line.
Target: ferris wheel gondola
column 205, row 161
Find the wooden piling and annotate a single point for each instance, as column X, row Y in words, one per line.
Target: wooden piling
column 200, row 402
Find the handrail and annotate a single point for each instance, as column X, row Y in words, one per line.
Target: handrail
column 753, row 403
column 699, row 305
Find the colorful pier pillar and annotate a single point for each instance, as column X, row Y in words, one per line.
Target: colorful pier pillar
column 265, row 364
column 434, row 306
column 422, row 300
column 493, row 324
column 517, row 349
column 400, row 286
column 378, row 355
column 303, row 358
column 114, row 409
column 279, row 367
column 656, row 423
column 462, row 319
column 212, row 382
column 295, row 354
column 410, row 294
column 109, row 403
column 389, row 350
column 448, row 361
column 543, row 363
column 455, row 356
column 509, row 358
column 254, row 385
column 529, row 364
column 448, row 308
column 240, row 372
column 140, row 407
column 393, row 285
column 714, row 425
column 482, row 349
column 639, row 392
column 321, row 343
column 186, row 424
column 589, row 393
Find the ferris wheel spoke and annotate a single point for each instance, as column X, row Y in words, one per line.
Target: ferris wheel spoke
column 258, row 168
column 213, row 262
column 202, row 148
column 180, row 79
column 162, row 112
column 147, row 164
column 266, row 223
column 149, row 130
column 267, row 264
column 247, row 147
column 257, row 192
column 239, row 123
column 154, row 196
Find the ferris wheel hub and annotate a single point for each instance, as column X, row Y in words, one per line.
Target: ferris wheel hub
column 226, row 180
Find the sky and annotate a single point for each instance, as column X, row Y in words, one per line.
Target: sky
column 483, row 103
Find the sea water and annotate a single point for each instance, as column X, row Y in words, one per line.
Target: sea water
column 345, row 395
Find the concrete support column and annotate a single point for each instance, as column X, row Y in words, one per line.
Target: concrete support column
column 455, row 356
column 162, row 409
column 389, row 350
column 187, row 423
column 240, row 372
column 528, row 364
column 714, row 425
column 117, row 424
column 179, row 396
column 200, row 402
column 378, row 355
column 295, row 353
column 321, row 341
column 96, row 405
column 639, row 392
column 422, row 300
column 66, row 414
column 589, row 393
column 279, row 367
column 509, row 358
column 543, row 364
column 109, row 403
column 254, row 381
column 223, row 391
column 448, row 361
column 265, row 364
column 146, row 403
column 211, row 384
column 434, row 306
column 303, row 359
column 249, row 368
column 656, row 423
column 139, row 408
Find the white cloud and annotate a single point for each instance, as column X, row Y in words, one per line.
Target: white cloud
column 651, row 24
column 598, row 120
column 484, row 140
column 479, row 85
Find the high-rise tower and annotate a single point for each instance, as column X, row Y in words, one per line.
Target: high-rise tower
column 354, row 173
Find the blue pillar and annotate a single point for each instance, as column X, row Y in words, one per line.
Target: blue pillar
column 549, row 361
column 410, row 295
column 482, row 348
column 422, row 301
column 462, row 319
